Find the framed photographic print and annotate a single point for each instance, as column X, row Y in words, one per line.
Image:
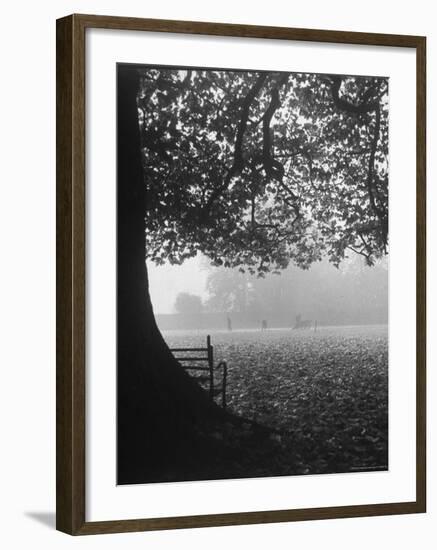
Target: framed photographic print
column 240, row 274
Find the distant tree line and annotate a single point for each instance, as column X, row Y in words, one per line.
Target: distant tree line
column 352, row 294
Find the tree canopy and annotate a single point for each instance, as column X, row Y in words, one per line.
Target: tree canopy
column 260, row 169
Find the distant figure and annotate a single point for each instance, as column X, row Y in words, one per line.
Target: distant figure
column 229, row 324
column 302, row 323
column 263, row 324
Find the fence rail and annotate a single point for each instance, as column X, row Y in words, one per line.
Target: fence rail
column 214, row 390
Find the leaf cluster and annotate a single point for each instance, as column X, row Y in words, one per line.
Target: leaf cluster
column 257, row 170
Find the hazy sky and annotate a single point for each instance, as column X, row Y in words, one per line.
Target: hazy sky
column 167, row 281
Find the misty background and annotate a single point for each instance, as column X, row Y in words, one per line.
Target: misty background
column 197, row 295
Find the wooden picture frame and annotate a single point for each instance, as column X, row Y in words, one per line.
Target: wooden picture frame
column 71, row 253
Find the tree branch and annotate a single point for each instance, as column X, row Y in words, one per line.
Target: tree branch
column 273, row 168
column 365, row 107
column 238, row 163
column 382, row 217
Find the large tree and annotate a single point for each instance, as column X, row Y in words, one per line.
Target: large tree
column 254, row 170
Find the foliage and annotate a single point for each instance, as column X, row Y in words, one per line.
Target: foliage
column 188, row 303
column 228, row 290
column 259, row 169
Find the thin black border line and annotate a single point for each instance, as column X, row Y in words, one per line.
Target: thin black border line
column 240, row 70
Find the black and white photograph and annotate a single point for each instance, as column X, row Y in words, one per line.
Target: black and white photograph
column 252, row 273
column 217, row 289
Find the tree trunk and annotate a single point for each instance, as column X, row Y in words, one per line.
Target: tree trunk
column 161, row 411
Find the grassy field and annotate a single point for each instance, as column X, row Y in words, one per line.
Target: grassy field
column 326, row 392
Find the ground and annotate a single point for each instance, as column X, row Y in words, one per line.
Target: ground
column 324, row 392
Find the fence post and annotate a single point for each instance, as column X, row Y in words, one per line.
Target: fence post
column 211, row 366
column 225, row 375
